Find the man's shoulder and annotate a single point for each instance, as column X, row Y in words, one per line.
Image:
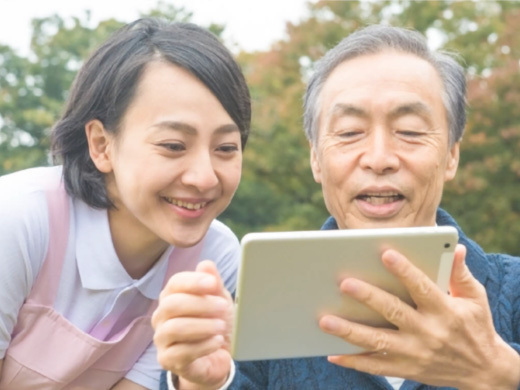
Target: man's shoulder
column 495, row 268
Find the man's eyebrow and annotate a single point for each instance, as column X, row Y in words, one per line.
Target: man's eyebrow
column 189, row 129
column 342, row 109
column 416, row 108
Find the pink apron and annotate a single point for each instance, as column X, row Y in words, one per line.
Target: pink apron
column 47, row 351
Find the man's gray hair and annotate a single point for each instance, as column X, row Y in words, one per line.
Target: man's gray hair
column 378, row 38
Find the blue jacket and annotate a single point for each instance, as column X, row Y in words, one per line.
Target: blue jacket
column 500, row 274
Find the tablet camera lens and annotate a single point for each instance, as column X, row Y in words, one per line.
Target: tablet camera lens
column 447, row 245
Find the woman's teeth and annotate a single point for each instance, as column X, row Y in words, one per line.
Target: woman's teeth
column 186, row 205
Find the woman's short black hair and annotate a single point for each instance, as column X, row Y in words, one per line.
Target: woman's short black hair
column 105, row 86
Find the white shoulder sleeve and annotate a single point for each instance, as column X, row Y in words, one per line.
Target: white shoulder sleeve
column 23, row 245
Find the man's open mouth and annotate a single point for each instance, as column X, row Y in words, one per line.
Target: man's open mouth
column 380, row 198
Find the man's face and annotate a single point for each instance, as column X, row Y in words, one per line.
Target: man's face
column 382, row 154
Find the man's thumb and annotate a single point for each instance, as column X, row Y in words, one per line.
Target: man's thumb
column 462, row 282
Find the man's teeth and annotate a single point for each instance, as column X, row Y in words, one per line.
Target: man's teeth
column 186, row 205
column 378, row 199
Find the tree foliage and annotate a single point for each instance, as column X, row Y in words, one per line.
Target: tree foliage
column 277, row 191
column 33, row 88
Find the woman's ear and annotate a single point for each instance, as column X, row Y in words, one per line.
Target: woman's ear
column 99, row 145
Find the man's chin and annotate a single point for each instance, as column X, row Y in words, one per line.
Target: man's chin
column 378, row 223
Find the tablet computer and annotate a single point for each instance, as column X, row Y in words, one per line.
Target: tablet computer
column 288, row 280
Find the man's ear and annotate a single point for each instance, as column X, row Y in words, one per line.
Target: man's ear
column 452, row 162
column 99, row 145
column 315, row 164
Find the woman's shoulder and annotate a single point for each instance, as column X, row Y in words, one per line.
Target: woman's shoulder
column 219, row 230
column 23, row 196
column 29, row 181
column 24, row 234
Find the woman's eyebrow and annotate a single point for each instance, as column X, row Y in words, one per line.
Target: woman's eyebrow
column 229, row 128
column 175, row 125
column 189, row 129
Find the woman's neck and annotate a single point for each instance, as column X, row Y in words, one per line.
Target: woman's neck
column 137, row 248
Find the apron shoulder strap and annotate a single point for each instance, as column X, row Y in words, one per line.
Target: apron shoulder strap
column 46, row 284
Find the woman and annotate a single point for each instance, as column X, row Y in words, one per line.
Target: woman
column 151, row 148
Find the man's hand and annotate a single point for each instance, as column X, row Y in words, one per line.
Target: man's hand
column 193, row 323
column 448, row 340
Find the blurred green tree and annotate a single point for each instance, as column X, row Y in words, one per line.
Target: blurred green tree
column 33, row 88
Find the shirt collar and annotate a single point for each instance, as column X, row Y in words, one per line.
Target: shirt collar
column 98, row 265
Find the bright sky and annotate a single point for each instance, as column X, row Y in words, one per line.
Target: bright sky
column 250, row 24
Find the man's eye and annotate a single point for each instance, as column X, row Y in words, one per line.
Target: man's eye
column 350, row 133
column 410, row 133
column 174, row 147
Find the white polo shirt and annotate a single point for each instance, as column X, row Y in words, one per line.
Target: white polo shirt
column 94, row 289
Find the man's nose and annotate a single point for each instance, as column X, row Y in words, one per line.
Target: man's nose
column 380, row 154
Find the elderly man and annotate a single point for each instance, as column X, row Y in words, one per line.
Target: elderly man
column 384, row 117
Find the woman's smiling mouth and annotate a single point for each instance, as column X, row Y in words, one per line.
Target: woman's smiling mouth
column 184, row 204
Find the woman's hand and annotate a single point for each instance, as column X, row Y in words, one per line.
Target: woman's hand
column 192, row 325
column 448, row 340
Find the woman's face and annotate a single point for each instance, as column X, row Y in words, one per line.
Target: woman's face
column 175, row 163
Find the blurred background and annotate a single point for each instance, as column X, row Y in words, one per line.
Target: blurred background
column 276, row 44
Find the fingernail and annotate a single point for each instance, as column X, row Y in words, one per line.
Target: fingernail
column 349, row 285
column 221, row 303
column 219, row 339
column 330, row 324
column 206, row 282
column 392, row 258
column 220, row 326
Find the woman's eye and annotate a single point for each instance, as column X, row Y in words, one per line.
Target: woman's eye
column 228, row 148
column 174, row 147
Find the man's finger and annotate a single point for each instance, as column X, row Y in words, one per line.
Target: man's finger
column 423, row 291
column 389, row 306
column 366, row 337
column 462, row 283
